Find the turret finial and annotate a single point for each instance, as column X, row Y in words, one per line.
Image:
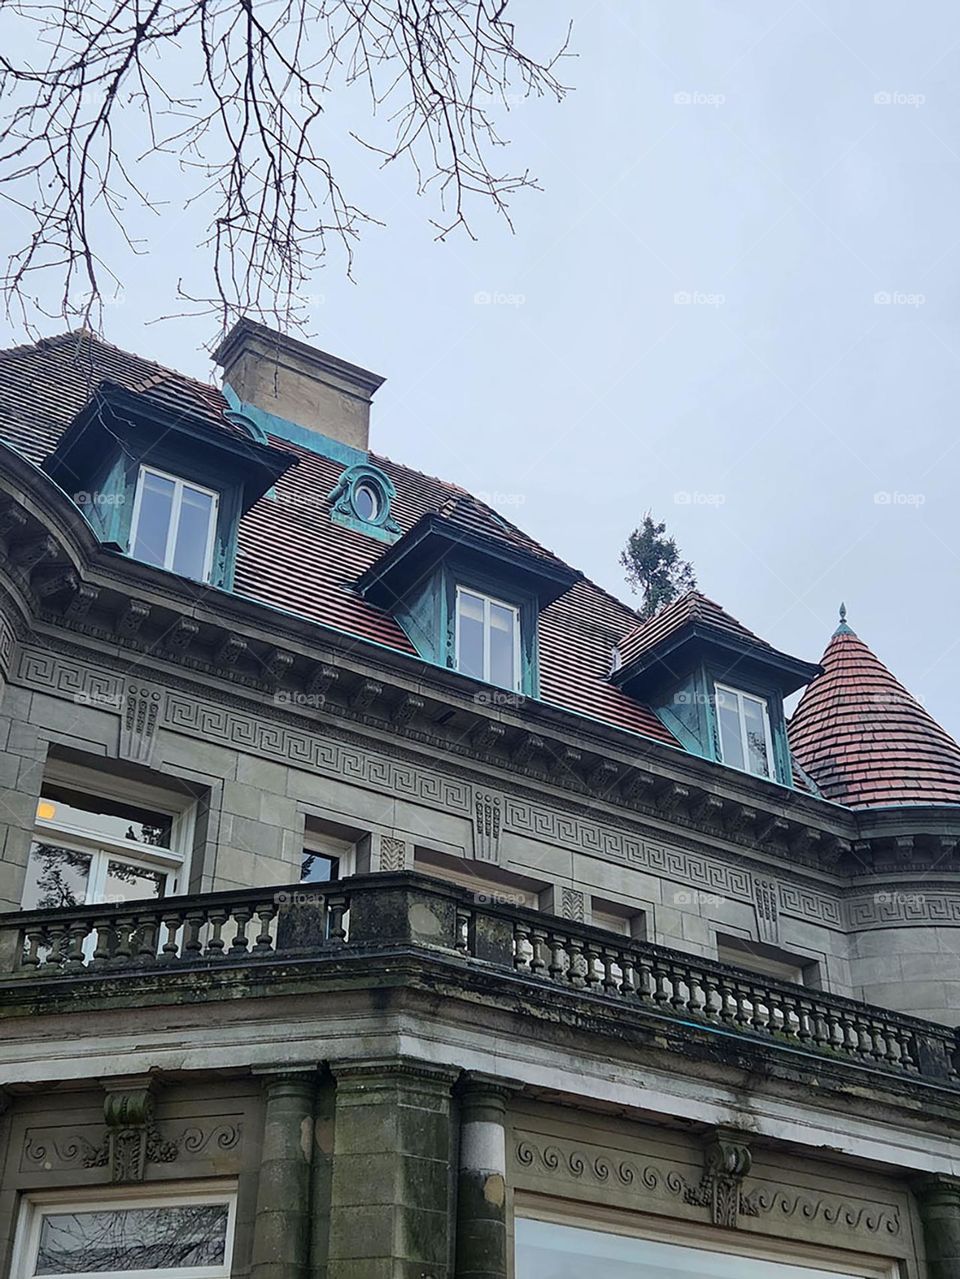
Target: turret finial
column 843, row 628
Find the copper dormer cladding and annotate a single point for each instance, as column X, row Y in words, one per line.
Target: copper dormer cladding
column 864, row 739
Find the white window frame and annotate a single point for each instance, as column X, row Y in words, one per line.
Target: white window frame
column 323, row 845
column 173, row 527
column 740, row 694
column 630, row 1224
column 487, row 601
column 36, row 1205
column 173, row 861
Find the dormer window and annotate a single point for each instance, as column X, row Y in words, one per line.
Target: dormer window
column 174, row 524
column 488, row 639
column 361, row 500
column 746, row 741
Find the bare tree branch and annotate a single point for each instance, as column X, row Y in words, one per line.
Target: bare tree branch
column 248, row 133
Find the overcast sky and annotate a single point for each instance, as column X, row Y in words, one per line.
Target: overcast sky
column 734, row 303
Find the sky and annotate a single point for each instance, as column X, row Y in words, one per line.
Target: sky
column 733, row 303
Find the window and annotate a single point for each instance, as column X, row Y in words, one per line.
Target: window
column 91, row 847
column 174, row 524
column 745, row 738
column 488, row 639
column 126, row 1234
column 568, row 1252
column 769, row 961
column 366, row 502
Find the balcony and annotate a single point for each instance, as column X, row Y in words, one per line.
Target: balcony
column 264, row 938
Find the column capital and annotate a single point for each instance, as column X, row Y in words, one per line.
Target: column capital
column 936, row 1189
column 358, row 1073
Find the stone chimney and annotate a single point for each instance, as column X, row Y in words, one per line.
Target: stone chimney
column 292, row 380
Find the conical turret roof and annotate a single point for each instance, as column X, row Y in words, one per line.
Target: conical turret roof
column 864, row 739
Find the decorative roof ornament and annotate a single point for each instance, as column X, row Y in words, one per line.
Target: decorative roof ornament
column 843, row 628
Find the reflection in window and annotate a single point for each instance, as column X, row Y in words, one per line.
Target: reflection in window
column 318, row 868
column 113, row 1241
column 56, row 877
column 745, row 739
column 488, row 639
column 548, row 1251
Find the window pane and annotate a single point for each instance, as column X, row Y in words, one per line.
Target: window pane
column 55, row 877
column 731, row 744
column 317, row 868
column 470, row 644
column 153, row 522
column 104, row 816
column 502, row 648
column 756, row 736
column 193, row 534
column 110, row 1242
column 547, row 1251
column 126, row 883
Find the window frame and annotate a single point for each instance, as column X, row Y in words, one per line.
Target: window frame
column 628, row 1223
column 740, row 694
column 35, row 1205
column 174, row 861
column 179, row 483
column 517, row 685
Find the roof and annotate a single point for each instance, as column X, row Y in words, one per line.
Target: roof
column 693, row 607
column 864, row 740
column 292, row 556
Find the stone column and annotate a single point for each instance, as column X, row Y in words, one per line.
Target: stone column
column 281, row 1234
column 391, row 1197
column 938, row 1199
column 482, row 1184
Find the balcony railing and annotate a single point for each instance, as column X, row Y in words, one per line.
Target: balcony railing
column 380, row 912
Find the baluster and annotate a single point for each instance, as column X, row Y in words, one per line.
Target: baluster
column 888, row 1040
column 31, row 943
column 172, row 922
column 559, row 960
column 645, row 982
column 909, row 1059
column 337, row 907
column 611, row 982
column 216, row 918
column 711, row 998
column 760, row 1020
column 629, row 976
column 726, row 1000
column 106, row 941
column 194, row 921
column 123, row 939
column 241, row 916
column 462, row 942
column 679, row 982
column 521, row 942
column 835, row 1034
column 593, row 975
column 147, row 937
column 575, row 973
column 697, row 993
column 660, row 992
column 265, row 913
column 878, row 1042
column 790, row 1015
column 744, row 998
column 804, row 1030
column 538, row 940
column 56, row 941
column 820, row 1026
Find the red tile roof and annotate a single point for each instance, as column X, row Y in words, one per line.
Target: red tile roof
column 864, row 740
column 694, row 607
column 292, row 556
